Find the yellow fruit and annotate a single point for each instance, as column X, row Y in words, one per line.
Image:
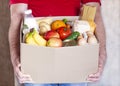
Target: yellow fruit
column 30, row 40
column 39, row 39
column 57, row 24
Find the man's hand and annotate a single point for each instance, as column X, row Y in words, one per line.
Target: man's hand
column 23, row 78
column 95, row 76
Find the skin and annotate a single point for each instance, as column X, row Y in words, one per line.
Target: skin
column 17, row 11
column 101, row 36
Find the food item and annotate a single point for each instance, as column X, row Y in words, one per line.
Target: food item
column 80, row 36
column 65, row 21
column 43, row 30
column 92, row 40
column 29, row 39
column 47, row 20
column 85, row 36
column 29, row 20
column 51, row 34
column 92, row 26
column 70, row 23
column 25, row 29
column 70, row 43
column 39, row 39
column 88, row 13
column 73, row 36
column 64, row 32
column 81, row 41
column 81, row 26
column 54, row 42
column 57, row 24
column 68, row 26
column 44, row 27
column 89, row 33
column 34, row 38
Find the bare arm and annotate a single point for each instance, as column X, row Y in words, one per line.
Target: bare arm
column 14, row 31
column 17, row 11
column 100, row 33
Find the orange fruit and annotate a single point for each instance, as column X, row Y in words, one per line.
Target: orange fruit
column 57, row 24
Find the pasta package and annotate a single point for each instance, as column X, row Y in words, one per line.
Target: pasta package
column 88, row 14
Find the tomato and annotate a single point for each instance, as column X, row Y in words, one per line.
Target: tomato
column 64, row 32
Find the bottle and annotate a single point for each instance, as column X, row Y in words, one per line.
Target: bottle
column 29, row 22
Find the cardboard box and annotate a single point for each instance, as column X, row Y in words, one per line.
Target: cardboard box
column 59, row 65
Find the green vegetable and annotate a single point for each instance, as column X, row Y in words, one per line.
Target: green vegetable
column 73, row 36
column 70, row 43
column 65, row 21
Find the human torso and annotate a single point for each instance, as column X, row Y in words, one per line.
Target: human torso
column 54, row 7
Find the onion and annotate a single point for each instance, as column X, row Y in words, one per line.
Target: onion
column 44, row 27
column 80, row 36
column 92, row 40
column 89, row 33
column 81, row 41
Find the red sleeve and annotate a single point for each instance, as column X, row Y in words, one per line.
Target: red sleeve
column 86, row 1
column 18, row 1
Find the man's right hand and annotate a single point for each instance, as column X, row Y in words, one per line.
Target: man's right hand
column 22, row 77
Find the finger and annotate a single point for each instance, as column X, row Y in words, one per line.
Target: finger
column 96, row 75
column 19, row 73
column 26, row 81
column 93, row 79
column 25, row 78
column 22, row 76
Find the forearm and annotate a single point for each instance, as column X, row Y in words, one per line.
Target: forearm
column 101, row 36
column 17, row 13
column 14, row 41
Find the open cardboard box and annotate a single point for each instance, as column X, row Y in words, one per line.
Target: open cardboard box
column 59, row 65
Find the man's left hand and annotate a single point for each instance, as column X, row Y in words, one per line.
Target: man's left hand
column 95, row 76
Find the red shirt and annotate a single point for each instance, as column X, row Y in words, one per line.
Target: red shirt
column 54, row 7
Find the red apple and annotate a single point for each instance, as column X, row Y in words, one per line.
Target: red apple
column 51, row 34
column 54, row 42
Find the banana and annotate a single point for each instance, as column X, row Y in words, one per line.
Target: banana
column 30, row 39
column 39, row 39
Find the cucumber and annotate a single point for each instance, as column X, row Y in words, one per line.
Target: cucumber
column 73, row 36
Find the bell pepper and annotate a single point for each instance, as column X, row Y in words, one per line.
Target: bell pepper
column 64, row 32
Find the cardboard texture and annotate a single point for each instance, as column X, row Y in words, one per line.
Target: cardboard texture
column 59, row 65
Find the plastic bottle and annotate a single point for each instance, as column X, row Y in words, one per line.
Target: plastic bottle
column 29, row 22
